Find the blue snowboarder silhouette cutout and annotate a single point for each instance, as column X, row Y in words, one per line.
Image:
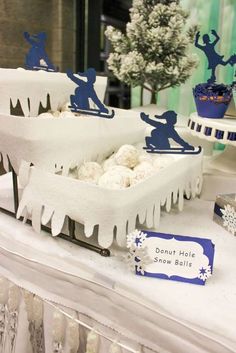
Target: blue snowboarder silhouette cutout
column 84, row 92
column 159, row 142
column 214, row 59
column 37, row 58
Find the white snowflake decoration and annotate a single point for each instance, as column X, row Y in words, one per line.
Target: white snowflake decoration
column 136, row 238
column 138, row 259
column 229, row 217
column 204, row 273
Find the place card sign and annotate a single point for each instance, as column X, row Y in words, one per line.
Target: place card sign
column 173, row 257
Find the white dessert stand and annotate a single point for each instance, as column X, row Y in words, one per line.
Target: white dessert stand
column 217, row 130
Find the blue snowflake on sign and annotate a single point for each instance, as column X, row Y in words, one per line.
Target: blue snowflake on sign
column 136, row 238
column 138, row 259
column 205, row 273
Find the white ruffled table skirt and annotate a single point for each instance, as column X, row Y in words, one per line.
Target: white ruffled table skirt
column 30, row 324
column 141, row 314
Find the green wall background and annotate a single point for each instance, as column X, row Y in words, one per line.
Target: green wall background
column 208, row 14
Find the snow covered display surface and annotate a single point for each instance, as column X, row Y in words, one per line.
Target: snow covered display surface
column 115, row 211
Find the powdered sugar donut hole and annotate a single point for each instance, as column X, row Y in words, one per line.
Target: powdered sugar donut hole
column 142, row 172
column 56, row 114
column 114, row 180
column 127, row 156
column 120, row 169
column 109, row 162
column 90, row 172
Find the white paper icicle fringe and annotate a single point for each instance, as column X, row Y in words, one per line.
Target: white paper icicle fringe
column 14, row 298
column 73, row 335
column 12, row 319
column 28, row 299
column 34, row 309
column 4, row 287
column 38, row 343
column 58, row 332
column 37, row 311
column 92, row 342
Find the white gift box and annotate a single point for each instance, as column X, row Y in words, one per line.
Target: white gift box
column 51, row 197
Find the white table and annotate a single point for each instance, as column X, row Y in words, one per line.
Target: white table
column 162, row 316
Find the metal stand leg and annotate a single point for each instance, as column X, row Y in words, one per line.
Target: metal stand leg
column 71, row 226
column 73, row 239
column 15, row 188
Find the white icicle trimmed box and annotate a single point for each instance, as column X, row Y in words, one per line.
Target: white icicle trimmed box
column 47, row 142
column 50, row 197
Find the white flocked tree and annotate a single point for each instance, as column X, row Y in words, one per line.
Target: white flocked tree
column 154, row 51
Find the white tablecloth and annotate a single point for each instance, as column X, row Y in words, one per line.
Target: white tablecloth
column 163, row 316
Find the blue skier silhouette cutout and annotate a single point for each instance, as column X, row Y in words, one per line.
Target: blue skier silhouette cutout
column 214, row 59
column 159, row 142
column 37, row 58
column 84, row 92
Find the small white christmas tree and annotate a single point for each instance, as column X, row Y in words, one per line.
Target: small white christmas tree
column 153, row 53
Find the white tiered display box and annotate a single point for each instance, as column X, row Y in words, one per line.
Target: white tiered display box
column 50, row 197
column 57, row 144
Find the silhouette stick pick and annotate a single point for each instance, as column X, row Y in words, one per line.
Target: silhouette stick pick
column 159, row 141
column 37, row 58
column 85, row 92
column 214, row 59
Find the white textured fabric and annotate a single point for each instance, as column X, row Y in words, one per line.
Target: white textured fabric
column 43, row 194
column 162, row 315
